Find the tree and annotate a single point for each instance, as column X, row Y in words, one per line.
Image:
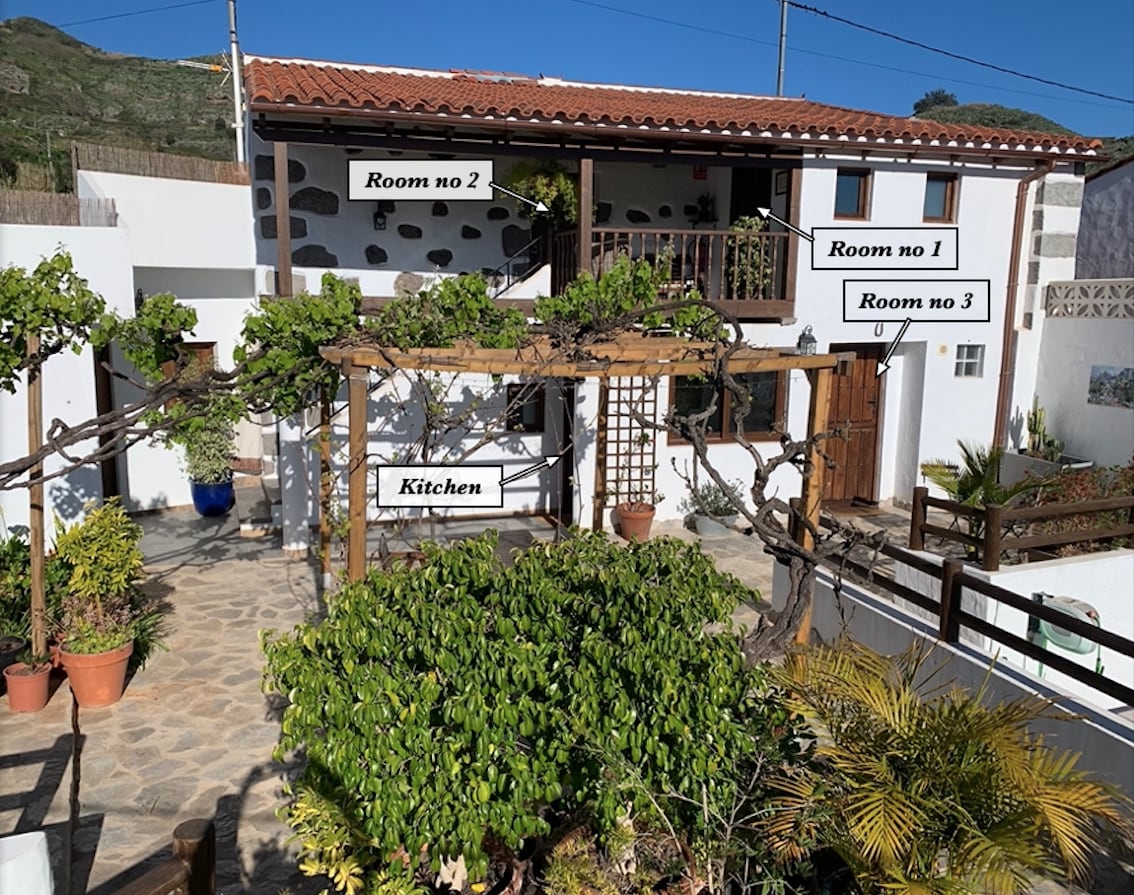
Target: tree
column 934, row 99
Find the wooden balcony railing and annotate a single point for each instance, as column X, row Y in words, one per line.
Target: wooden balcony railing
column 743, row 271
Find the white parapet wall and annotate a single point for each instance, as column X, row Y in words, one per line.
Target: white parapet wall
column 1104, row 580
column 1105, row 740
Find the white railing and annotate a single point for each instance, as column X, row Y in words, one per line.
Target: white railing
column 1090, row 298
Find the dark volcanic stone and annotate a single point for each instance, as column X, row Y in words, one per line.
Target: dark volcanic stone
column 498, row 213
column 314, row 256
column 468, row 232
column 268, row 227
column 440, row 257
column 603, row 212
column 264, row 168
column 440, row 210
column 313, row 199
column 637, row 216
column 665, row 212
column 692, row 211
column 263, row 197
column 409, row 231
column 387, row 206
column 408, row 283
column 376, row 255
column 514, row 238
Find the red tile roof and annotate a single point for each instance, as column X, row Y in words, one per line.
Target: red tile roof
column 312, row 85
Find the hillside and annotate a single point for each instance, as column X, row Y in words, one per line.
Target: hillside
column 55, row 87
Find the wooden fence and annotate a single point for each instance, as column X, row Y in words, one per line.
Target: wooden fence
column 998, row 523
column 118, row 160
column 190, row 871
column 55, row 209
column 951, row 618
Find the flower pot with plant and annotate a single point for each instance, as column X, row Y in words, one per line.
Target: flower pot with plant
column 104, row 612
column 209, row 442
column 714, row 509
column 637, row 499
column 28, row 682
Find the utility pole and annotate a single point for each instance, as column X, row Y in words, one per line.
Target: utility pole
column 237, row 83
column 783, row 44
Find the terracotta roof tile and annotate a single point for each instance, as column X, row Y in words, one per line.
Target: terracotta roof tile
column 322, row 85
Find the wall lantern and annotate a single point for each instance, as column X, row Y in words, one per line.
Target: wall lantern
column 379, row 220
column 807, row 342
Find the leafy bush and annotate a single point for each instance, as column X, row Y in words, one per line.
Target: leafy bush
column 15, row 586
column 445, row 708
column 1082, row 485
column 710, row 499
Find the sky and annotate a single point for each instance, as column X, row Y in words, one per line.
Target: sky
column 727, row 45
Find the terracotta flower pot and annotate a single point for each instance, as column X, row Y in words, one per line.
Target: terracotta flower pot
column 634, row 521
column 97, row 679
column 27, row 686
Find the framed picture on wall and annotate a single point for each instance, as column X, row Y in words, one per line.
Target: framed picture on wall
column 781, row 182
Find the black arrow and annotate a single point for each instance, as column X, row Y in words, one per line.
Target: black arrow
column 539, row 206
column 546, row 461
column 884, row 364
column 766, row 213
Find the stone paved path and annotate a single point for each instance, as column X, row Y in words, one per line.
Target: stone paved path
column 193, row 735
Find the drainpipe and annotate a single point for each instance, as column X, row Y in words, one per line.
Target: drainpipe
column 1010, row 337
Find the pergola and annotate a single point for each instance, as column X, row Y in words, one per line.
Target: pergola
column 628, row 355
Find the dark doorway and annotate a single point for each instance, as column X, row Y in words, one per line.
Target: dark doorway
column 751, row 189
column 856, row 402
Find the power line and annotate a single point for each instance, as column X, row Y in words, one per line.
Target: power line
column 951, row 55
column 138, row 12
column 906, row 71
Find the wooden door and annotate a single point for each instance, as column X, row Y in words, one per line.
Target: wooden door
column 856, row 402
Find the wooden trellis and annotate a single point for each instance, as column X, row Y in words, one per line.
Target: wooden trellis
column 631, row 355
column 627, row 450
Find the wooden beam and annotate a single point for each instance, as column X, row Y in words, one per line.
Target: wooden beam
column 357, row 393
column 586, row 193
column 791, row 262
column 600, row 456
column 283, row 221
column 326, row 487
column 812, row 501
column 35, row 499
column 104, row 403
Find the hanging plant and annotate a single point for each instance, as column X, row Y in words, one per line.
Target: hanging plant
column 547, row 182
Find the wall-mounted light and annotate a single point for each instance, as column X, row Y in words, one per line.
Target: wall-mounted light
column 379, row 220
column 139, row 299
column 807, row 342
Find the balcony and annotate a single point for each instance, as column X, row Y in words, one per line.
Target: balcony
column 743, row 272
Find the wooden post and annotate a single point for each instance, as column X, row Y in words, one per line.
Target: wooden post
column 599, row 507
column 326, row 487
column 812, row 498
column 104, row 403
column 917, row 518
column 585, row 212
column 35, row 499
column 357, row 383
column 283, row 221
column 949, row 626
column 993, row 522
column 195, row 843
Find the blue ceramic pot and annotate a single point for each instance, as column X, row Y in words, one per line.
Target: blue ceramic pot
column 212, row 500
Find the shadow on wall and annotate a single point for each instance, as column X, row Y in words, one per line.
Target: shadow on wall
column 70, row 493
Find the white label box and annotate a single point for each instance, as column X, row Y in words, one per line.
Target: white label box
column 425, row 487
column 410, row 179
column 884, row 248
column 922, row 301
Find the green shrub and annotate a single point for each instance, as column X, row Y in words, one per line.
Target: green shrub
column 1082, row 485
column 442, row 705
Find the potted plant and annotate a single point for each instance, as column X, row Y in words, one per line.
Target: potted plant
column 103, row 609
column 714, row 509
column 209, row 442
column 27, row 681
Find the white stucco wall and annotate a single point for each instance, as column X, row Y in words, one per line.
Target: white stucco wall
column 1071, row 346
column 102, row 256
column 1106, row 244
column 1104, row 739
column 178, row 223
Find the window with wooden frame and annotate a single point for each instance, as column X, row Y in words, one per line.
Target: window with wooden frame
column 940, row 204
column 525, row 407
column 852, row 193
column 767, row 392
column 202, row 356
